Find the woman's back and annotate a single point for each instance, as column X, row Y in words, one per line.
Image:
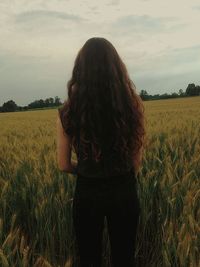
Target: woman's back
column 110, row 164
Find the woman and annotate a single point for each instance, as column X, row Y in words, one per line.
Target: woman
column 102, row 121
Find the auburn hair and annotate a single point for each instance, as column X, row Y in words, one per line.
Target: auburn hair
column 103, row 111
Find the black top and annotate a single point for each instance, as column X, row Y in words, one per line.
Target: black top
column 109, row 165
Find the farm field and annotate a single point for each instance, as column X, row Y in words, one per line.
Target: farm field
column 36, row 198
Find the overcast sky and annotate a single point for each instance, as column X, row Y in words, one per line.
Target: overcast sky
column 159, row 42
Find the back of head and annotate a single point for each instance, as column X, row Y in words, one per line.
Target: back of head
column 103, row 112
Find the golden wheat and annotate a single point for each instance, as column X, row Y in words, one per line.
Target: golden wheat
column 36, row 198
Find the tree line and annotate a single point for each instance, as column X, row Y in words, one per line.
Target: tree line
column 50, row 102
column 9, row 106
column 191, row 90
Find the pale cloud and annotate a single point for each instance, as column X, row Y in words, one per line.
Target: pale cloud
column 196, row 7
column 33, row 15
column 157, row 40
column 146, row 24
column 113, row 2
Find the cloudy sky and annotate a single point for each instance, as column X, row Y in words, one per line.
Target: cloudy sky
column 159, row 42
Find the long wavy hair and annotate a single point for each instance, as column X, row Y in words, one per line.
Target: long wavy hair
column 103, row 112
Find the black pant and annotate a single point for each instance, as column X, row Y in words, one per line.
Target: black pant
column 117, row 199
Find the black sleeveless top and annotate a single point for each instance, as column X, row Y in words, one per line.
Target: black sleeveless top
column 109, row 165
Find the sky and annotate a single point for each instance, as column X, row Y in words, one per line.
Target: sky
column 159, row 42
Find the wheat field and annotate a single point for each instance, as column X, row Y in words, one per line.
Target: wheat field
column 36, row 198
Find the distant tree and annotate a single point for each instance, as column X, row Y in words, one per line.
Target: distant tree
column 143, row 94
column 156, row 96
column 9, row 106
column 174, row 95
column 51, row 101
column 197, row 90
column 57, row 101
column 180, row 92
column 41, row 103
column 191, row 89
column 164, row 96
column 47, row 102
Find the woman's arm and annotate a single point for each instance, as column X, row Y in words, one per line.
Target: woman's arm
column 64, row 147
column 72, row 168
